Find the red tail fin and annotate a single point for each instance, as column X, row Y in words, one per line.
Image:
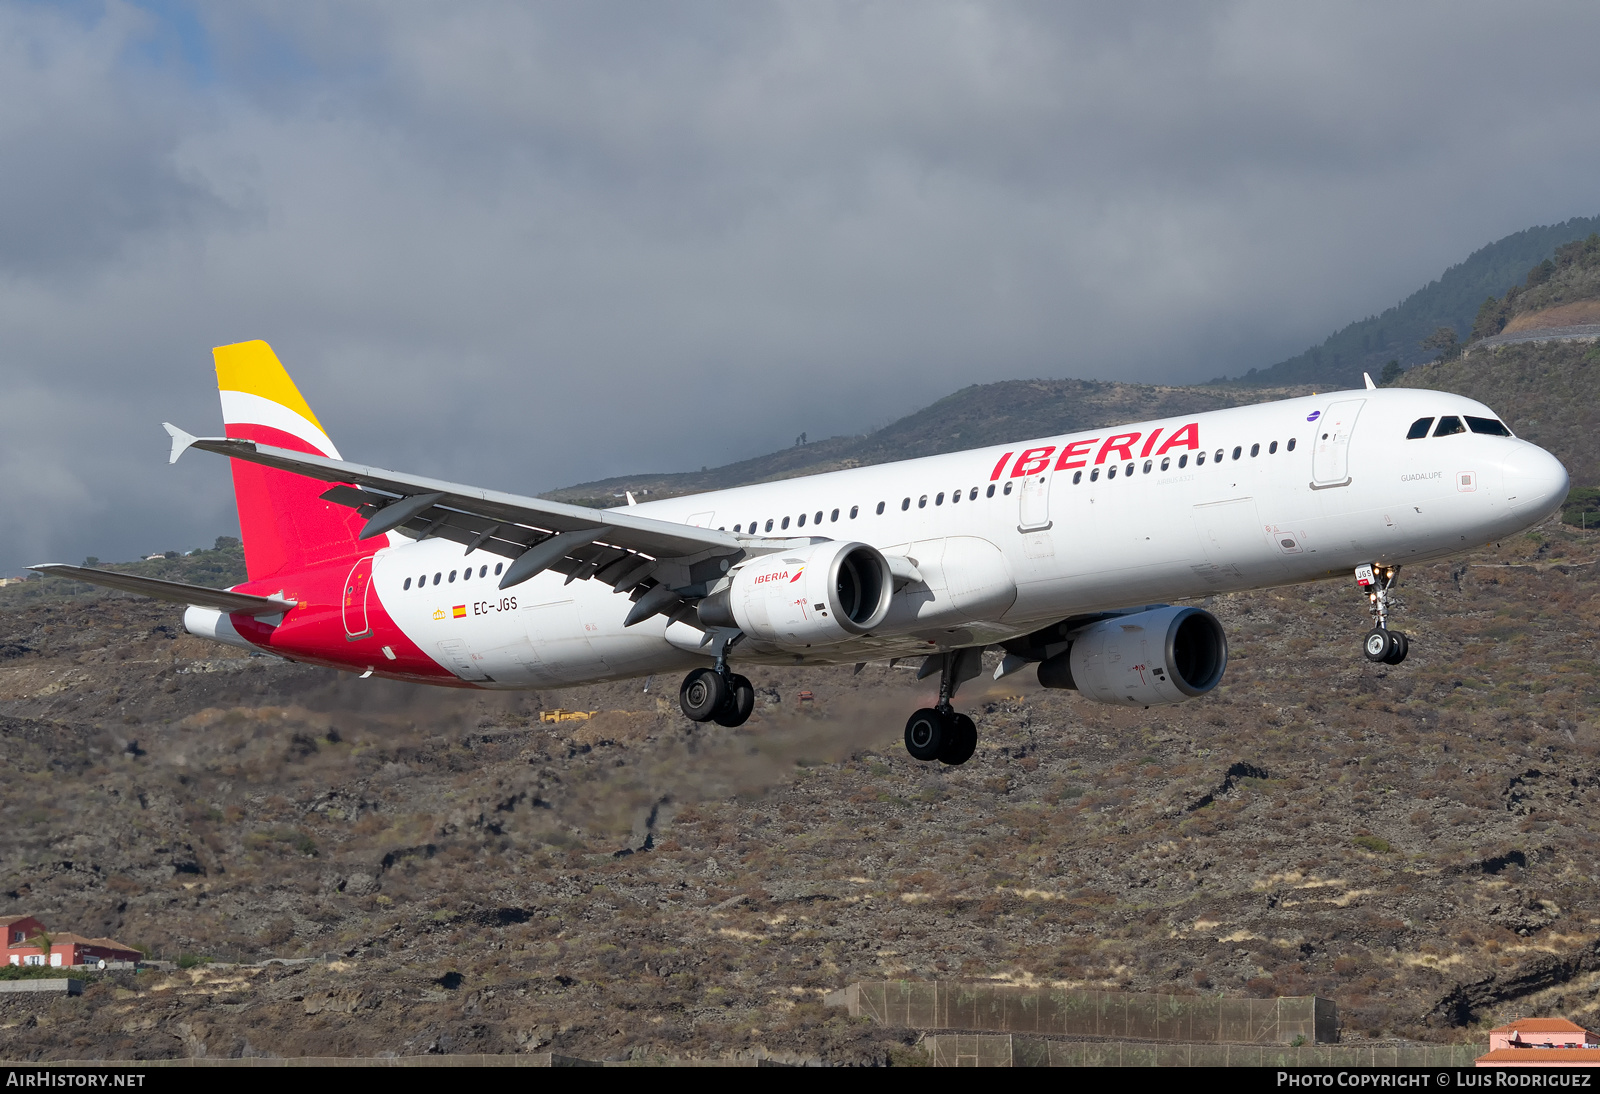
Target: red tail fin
column 283, row 521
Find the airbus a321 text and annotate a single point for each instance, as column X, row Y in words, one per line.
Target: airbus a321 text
column 1062, row 552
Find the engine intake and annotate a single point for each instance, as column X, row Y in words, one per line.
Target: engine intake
column 1146, row 659
column 814, row 596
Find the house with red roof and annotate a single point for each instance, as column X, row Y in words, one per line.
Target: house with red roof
column 25, row 937
column 1541, row 1042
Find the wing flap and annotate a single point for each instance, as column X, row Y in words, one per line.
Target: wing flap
column 177, row 592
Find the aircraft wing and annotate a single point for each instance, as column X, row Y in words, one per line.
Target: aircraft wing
column 176, row 591
column 618, row 547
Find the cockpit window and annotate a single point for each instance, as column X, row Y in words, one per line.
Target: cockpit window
column 1419, row 429
column 1489, row 427
column 1449, row 424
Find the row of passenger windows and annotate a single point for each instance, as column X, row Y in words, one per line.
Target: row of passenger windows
column 775, row 524
column 1183, row 461
column 466, row 575
column 972, row 495
column 1449, row 424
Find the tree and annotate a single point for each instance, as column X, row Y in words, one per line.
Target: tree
column 225, row 542
column 1391, row 372
column 1491, row 320
column 92, row 560
column 1445, row 341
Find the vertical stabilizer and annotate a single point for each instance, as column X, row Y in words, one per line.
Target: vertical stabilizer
column 283, row 521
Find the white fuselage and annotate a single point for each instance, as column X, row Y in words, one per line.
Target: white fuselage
column 1014, row 537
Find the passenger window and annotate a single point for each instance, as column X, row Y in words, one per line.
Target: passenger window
column 452, row 575
column 1183, row 460
column 818, row 518
column 1094, row 476
column 483, row 571
column 905, row 504
column 497, row 568
column 880, row 508
column 1218, row 456
column 922, row 502
column 1489, row 427
column 1007, row 490
column 1236, row 451
column 990, row 492
column 1255, row 450
column 466, row 574
column 1290, row 445
column 1419, row 429
column 1077, row 477
column 940, row 499
column 407, row 585
column 769, row 523
column 1448, row 425
column 801, row 523
column 785, row 522
column 436, row 578
column 974, row 495
column 1147, row 465
column 854, row 509
column 1272, row 448
column 1166, row 462
column 1111, row 472
column 736, row 528
column 955, row 496
column 835, row 516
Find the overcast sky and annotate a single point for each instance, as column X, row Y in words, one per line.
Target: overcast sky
column 526, row 245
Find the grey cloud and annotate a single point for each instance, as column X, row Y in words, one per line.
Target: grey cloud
column 527, row 245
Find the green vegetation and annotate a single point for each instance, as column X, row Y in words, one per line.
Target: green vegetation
column 39, row 972
column 1571, row 275
column 1453, row 301
column 1375, row 844
column 1582, row 507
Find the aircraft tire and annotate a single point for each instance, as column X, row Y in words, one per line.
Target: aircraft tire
column 703, row 691
column 962, row 741
column 1402, row 646
column 926, row 733
column 735, row 709
column 1378, row 645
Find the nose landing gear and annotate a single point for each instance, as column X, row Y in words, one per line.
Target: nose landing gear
column 940, row 732
column 1381, row 645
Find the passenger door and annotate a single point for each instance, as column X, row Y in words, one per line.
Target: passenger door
column 357, row 586
column 1330, row 460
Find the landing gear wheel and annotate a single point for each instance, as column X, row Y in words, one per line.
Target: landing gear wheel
column 735, row 709
column 926, row 733
column 961, row 742
column 1402, row 646
column 1379, row 645
column 703, row 691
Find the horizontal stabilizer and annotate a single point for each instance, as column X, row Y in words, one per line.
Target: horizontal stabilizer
column 176, row 591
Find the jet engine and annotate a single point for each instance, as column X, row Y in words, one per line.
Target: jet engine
column 813, row 596
column 1149, row 658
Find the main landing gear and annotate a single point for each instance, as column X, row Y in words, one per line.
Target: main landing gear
column 939, row 732
column 725, row 698
column 1381, row 645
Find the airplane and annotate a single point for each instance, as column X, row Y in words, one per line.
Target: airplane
column 1063, row 553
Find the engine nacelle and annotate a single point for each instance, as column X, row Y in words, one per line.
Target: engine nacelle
column 1147, row 659
column 812, row 596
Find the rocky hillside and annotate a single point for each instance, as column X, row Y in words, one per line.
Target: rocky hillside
column 445, row 873
column 1562, row 291
column 1451, row 301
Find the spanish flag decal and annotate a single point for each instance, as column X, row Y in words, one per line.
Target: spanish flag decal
column 459, row 611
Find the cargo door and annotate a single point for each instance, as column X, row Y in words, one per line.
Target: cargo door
column 459, row 660
column 1330, row 460
column 357, row 587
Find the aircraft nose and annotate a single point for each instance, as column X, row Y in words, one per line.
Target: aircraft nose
column 1535, row 481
